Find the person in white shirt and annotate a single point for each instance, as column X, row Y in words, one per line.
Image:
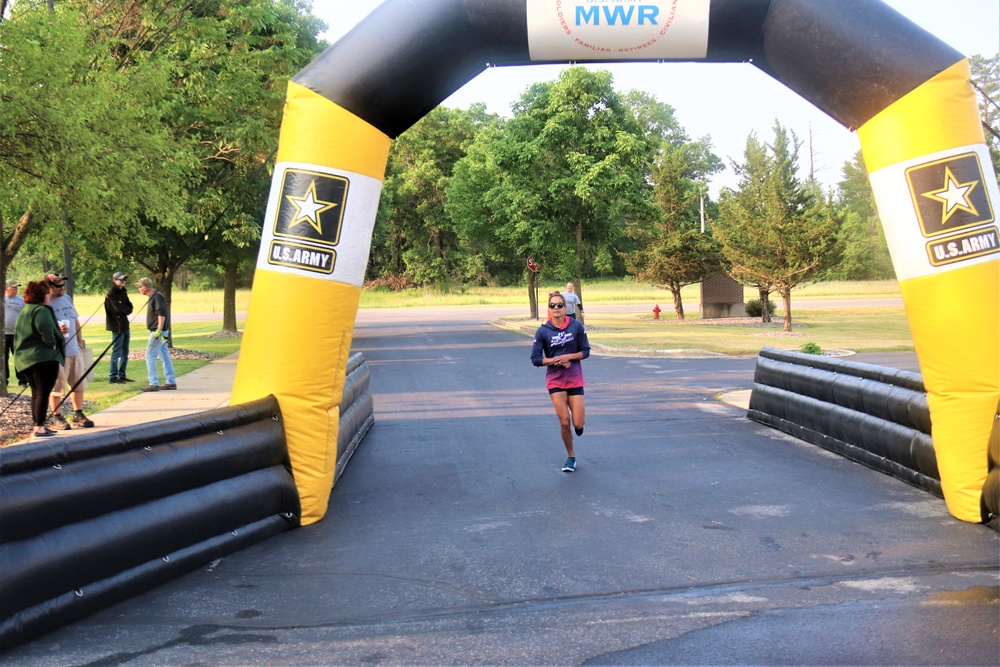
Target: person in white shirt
column 12, row 307
column 72, row 373
column 574, row 307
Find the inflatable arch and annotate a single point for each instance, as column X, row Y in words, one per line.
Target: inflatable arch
column 906, row 93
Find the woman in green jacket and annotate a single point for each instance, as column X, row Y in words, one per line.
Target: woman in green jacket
column 38, row 351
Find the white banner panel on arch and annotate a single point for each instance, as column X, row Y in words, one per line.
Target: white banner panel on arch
column 576, row 30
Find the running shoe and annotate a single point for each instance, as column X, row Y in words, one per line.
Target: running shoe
column 570, row 465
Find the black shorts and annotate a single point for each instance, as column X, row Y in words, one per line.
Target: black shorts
column 572, row 391
column 573, row 315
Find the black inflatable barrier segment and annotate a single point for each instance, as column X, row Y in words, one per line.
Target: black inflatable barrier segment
column 356, row 411
column 97, row 518
column 991, row 488
column 893, row 376
column 894, row 403
column 77, row 603
column 873, row 415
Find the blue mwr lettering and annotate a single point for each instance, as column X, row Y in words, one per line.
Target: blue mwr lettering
column 585, row 14
column 614, row 15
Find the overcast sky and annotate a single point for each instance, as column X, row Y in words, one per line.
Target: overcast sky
column 725, row 101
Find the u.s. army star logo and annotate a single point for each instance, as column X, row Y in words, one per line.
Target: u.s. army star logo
column 311, row 207
column 949, row 194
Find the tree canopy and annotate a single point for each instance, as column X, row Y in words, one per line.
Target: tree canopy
column 775, row 230
column 561, row 177
column 673, row 250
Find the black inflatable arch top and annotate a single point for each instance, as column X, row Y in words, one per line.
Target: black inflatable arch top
column 434, row 47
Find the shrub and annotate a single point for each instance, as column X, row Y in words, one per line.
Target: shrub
column 754, row 309
column 811, row 348
column 390, row 283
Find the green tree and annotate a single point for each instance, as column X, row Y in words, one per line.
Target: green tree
column 414, row 235
column 865, row 252
column 229, row 65
column 574, row 162
column 76, row 135
column 673, row 252
column 496, row 245
column 774, row 229
column 986, row 80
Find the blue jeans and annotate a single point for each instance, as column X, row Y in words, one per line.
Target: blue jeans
column 157, row 348
column 119, row 354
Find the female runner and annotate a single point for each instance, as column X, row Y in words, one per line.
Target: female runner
column 560, row 344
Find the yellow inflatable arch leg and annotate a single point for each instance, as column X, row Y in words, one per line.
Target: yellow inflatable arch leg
column 936, row 191
column 314, row 250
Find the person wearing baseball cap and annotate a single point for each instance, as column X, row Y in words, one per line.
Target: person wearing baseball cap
column 72, row 373
column 117, row 308
column 12, row 307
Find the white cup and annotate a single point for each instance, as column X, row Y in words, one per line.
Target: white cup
column 64, row 327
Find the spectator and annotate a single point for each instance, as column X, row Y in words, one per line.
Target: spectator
column 12, row 306
column 158, row 323
column 38, row 352
column 117, row 308
column 72, row 372
column 574, row 306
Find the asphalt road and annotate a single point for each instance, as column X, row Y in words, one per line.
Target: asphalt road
column 689, row 535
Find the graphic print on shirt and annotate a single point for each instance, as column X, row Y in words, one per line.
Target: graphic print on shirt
column 561, row 338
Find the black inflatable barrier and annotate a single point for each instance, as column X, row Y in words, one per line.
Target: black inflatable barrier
column 94, row 519
column 873, row 415
column 356, row 410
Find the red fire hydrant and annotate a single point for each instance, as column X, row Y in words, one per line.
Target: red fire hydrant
column 656, row 312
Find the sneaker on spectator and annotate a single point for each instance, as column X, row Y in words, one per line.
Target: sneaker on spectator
column 151, row 387
column 168, row 386
column 59, row 423
column 80, row 419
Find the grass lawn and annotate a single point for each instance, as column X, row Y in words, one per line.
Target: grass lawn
column 598, row 290
column 613, row 290
column 870, row 329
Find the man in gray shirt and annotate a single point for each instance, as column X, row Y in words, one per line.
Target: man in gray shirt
column 574, row 307
column 12, row 306
column 158, row 323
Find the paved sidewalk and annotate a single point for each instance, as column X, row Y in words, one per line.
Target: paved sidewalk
column 740, row 398
column 206, row 388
